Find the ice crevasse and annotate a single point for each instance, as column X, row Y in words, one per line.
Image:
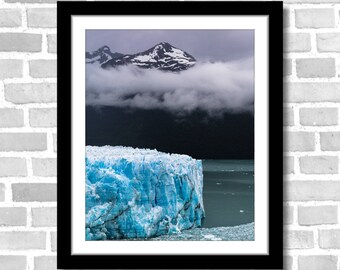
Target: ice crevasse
column 141, row 193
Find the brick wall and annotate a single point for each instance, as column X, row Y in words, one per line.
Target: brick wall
column 312, row 138
column 28, row 134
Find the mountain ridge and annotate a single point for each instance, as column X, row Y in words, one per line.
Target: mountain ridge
column 162, row 56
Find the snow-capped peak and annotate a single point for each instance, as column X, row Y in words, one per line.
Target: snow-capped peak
column 101, row 55
column 166, row 56
column 162, row 56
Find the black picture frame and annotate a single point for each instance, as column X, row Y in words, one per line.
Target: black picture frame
column 274, row 260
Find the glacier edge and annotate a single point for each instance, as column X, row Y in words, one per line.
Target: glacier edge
column 141, row 193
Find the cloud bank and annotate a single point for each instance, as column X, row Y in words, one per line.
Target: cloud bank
column 211, row 87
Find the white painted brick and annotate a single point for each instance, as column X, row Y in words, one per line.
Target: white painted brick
column 52, row 43
column 329, row 238
column 317, row 215
column 288, row 167
column 312, row 92
column 10, row 68
column 46, row 117
column 11, row 117
column 317, row 262
column 44, row 166
column 314, row 18
column 2, row 192
column 319, row 164
column 42, row 17
column 288, row 117
column 297, row 42
column 44, row 217
column 34, row 192
column 12, row 167
column 43, row 68
column 36, row 1
column 43, row 117
column 10, row 17
column 45, row 263
column 22, row 93
column 20, row 42
column 53, row 241
column 11, row 262
column 294, row 239
column 55, row 142
column 330, row 141
column 328, row 42
column 12, row 216
column 287, row 262
column 318, row 116
column 312, row 190
column 299, row 141
column 315, row 67
column 22, row 240
column 287, row 67
column 23, row 141
column 311, row 1
column 30, row 1
column 288, row 215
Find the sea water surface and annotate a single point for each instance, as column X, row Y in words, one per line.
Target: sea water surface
column 228, row 197
column 228, row 192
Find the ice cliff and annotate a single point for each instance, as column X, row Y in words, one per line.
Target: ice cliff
column 141, row 193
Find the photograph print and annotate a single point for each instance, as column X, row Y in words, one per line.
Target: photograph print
column 169, row 135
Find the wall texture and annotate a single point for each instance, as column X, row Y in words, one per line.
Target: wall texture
column 312, row 134
column 28, row 134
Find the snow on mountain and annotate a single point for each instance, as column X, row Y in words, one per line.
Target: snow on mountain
column 101, row 56
column 162, row 56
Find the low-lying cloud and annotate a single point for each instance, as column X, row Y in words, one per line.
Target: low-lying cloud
column 211, row 87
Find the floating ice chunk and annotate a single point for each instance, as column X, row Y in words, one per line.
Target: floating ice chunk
column 244, row 232
column 141, row 193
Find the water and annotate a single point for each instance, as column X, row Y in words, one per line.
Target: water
column 228, row 192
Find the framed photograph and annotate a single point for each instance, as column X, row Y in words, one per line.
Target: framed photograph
column 170, row 135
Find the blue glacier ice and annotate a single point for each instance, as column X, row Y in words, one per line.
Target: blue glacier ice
column 141, row 193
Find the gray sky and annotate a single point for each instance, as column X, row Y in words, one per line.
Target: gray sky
column 214, row 45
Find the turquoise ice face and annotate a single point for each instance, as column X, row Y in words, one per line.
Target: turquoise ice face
column 141, row 193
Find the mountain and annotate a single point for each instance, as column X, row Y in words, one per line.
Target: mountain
column 162, row 56
column 102, row 55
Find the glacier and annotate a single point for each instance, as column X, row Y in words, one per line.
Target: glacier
column 141, row 193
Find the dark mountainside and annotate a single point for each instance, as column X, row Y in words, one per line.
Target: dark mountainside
column 228, row 137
